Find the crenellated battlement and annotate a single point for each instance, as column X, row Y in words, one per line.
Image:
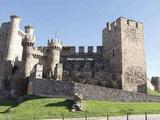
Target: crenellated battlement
column 42, row 48
column 28, row 41
column 122, row 22
column 39, row 56
column 39, row 50
column 71, row 50
column 54, row 43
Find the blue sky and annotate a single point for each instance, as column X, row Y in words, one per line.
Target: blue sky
column 80, row 22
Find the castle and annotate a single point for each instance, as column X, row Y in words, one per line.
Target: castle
column 119, row 63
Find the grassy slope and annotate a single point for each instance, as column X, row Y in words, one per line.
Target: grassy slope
column 54, row 107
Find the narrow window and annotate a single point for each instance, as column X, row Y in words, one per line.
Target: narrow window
column 113, row 52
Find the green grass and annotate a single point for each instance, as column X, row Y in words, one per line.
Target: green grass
column 152, row 92
column 55, row 107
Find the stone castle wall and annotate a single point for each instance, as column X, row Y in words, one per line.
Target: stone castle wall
column 118, row 63
column 3, row 39
column 83, row 67
column 86, row 67
column 51, row 88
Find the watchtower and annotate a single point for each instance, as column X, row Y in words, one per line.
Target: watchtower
column 55, row 47
column 27, row 56
column 12, row 41
column 123, row 43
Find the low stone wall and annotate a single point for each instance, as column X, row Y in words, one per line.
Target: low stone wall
column 103, row 93
column 51, row 88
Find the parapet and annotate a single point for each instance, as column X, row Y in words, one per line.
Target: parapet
column 39, row 50
column 81, row 49
column 68, row 50
column 122, row 22
column 28, row 40
column 38, row 53
column 71, row 50
column 90, row 49
column 57, row 44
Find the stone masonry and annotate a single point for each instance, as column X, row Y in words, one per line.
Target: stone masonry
column 119, row 63
column 123, row 42
column 67, row 89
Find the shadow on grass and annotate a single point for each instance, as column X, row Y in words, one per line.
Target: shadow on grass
column 67, row 103
column 14, row 102
column 6, row 102
column 126, row 111
column 32, row 97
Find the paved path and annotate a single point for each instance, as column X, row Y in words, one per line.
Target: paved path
column 131, row 117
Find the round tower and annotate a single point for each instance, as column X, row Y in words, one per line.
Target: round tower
column 27, row 44
column 55, row 47
column 12, row 37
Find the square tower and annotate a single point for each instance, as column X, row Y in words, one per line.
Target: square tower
column 123, row 42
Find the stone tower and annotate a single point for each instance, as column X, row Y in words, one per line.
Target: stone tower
column 11, row 50
column 123, row 42
column 27, row 57
column 55, row 47
column 156, row 83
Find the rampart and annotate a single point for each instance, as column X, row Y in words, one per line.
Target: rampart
column 51, row 88
column 69, row 51
column 82, row 50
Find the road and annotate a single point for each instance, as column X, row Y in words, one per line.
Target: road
column 130, row 117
